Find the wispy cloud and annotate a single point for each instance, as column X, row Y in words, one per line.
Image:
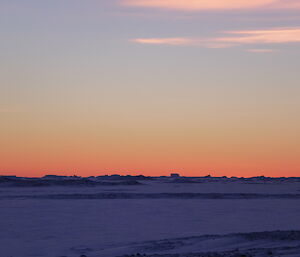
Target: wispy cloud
column 181, row 41
column 232, row 38
column 194, row 5
column 165, row 41
column 261, row 50
column 272, row 36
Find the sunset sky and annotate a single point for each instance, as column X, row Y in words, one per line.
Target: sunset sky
column 93, row 87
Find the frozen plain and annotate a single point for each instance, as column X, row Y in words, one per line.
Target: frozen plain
column 158, row 217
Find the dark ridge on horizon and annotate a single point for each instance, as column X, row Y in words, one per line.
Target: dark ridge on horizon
column 128, row 180
column 141, row 176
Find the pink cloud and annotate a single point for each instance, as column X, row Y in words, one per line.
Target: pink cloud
column 232, row 38
column 272, row 36
column 261, row 50
column 194, row 5
column 165, row 41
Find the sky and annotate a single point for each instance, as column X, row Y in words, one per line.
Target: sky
column 150, row 87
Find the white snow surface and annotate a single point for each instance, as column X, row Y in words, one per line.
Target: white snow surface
column 166, row 219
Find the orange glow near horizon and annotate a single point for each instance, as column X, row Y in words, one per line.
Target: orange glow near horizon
column 153, row 141
column 150, row 153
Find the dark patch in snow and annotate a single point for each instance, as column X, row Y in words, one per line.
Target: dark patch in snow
column 273, row 243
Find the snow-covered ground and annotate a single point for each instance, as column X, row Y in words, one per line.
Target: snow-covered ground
column 209, row 218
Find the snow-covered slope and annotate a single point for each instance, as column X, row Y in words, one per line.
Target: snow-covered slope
column 211, row 218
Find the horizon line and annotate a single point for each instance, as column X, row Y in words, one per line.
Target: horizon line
column 177, row 175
